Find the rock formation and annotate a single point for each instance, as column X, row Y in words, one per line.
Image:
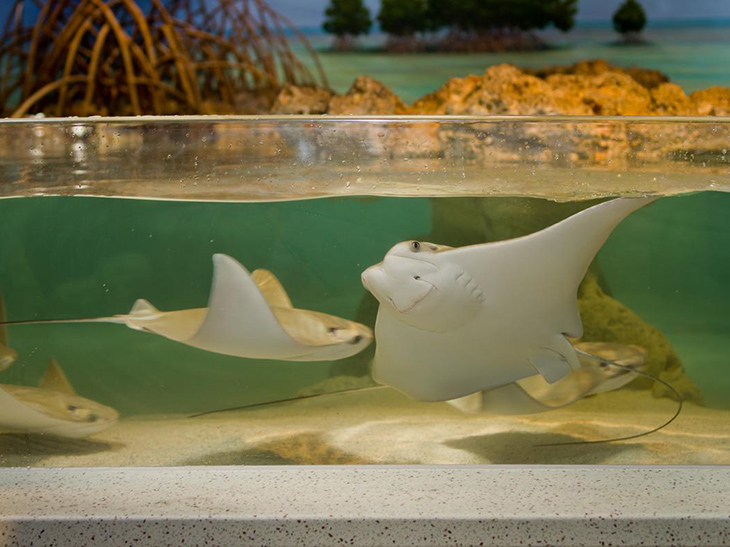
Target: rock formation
column 586, row 88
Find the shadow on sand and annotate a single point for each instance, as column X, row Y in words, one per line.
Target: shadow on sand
column 21, row 449
column 521, row 447
column 302, row 449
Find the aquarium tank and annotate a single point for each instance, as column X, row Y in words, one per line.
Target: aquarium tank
column 364, row 290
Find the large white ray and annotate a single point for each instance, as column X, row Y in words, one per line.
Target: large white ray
column 452, row 322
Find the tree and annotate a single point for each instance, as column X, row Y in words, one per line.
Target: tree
column 403, row 17
column 402, row 20
column 444, row 13
column 629, row 19
column 563, row 14
column 346, row 19
column 488, row 15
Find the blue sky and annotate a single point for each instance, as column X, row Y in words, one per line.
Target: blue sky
column 308, row 13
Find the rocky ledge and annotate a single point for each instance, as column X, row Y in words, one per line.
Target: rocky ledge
column 586, row 88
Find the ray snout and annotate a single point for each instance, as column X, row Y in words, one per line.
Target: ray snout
column 376, row 280
column 367, row 277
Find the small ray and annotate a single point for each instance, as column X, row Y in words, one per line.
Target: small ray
column 53, row 408
column 247, row 316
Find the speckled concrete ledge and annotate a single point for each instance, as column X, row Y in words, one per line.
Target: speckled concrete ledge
column 366, row 506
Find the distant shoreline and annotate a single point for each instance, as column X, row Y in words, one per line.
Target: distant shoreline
column 654, row 24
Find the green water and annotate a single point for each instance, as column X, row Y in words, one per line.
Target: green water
column 86, row 257
column 671, row 264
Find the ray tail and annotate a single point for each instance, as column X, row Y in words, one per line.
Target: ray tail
column 116, row 320
column 671, row 388
column 288, row 400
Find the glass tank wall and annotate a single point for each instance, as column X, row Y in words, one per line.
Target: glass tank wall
column 478, row 352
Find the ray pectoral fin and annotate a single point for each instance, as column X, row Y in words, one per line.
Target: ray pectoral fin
column 510, row 399
column 551, row 367
column 143, row 308
column 306, row 327
column 271, row 288
column 55, row 379
column 557, row 361
column 238, row 318
column 563, row 346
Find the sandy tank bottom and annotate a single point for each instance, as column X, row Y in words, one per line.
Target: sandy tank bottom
column 385, row 427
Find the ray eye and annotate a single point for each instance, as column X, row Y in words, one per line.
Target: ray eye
column 93, row 417
column 356, row 339
column 416, row 277
column 415, row 246
column 72, row 408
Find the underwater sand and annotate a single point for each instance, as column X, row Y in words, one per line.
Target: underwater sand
column 384, row 427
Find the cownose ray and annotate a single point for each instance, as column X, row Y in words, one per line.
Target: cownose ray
column 7, row 354
column 248, row 315
column 533, row 394
column 455, row 321
column 52, row 408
